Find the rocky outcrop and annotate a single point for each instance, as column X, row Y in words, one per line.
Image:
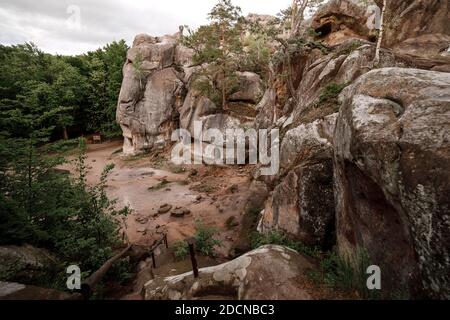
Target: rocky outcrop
column 158, row 95
column 339, row 20
column 392, row 155
column 248, row 277
column 25, row 263
column 302, row 205
column 411, row 19
column 151, row 93
column 250, row 88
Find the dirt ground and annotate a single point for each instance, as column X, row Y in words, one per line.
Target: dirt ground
column 145, row 183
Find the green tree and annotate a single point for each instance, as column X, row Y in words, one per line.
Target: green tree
column 218, row 49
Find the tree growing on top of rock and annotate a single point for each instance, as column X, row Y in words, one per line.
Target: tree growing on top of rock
column 218, row 49
column 297, row 13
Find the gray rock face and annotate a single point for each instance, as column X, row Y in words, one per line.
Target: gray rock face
column 150, row 93
column 248, row 277
column 302, row 205
column 338, row 20
column 157, row 95
column 392, row 177
column 410, row 19
column 24, row 263
column 250, row 88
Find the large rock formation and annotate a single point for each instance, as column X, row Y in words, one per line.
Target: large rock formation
column 378, row 158
column 302, row 205
column 249, row 277
column 414, row 18
column 366, row 170
column 152, row 91
column 158, row 95
column 392, row 153
column 339, row 20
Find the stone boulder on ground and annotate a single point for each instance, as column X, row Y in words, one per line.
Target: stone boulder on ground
column 267, row 273
column 392, row 173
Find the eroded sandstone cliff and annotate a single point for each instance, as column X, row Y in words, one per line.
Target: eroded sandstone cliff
column 364, row 149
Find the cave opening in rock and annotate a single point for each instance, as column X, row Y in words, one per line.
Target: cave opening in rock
column 325, row 29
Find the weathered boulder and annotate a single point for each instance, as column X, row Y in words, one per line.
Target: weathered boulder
column 339, row 20
column 432, row 46
column 194, row 108
column 249, row 277
column 302, row 205
column 17, row 291
column 150, row 95
column 250, row 88
column 392, row 173
column 25, row 263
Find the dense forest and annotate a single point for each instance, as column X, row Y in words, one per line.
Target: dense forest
column 46, row 98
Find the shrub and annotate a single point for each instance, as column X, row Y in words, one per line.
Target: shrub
column 331, row 92
column 339, row 273
column 204, row 239
column 181, row 250
column 276, row 237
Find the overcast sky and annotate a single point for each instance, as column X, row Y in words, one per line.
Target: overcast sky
column 77, row 26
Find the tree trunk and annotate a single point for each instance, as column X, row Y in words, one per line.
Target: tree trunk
column 376, row 61
column 65, row 133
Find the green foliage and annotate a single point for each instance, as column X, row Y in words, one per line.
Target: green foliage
column 279, row 238
column 138, row 68
column 42, row 207
column 339, row 273
column 218, row 48
column 69, row 95
column 181, row 250
column 331, row 92
column 204, row 239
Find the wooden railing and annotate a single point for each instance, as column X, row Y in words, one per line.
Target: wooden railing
column 88, row 286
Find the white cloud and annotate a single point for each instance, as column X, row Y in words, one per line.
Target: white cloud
column 44, row 22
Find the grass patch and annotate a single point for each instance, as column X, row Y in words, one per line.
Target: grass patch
column 176, row 169
column 231, row 222
column 339, row 273
column 331, row 92
column 135, row 157
column 276, row 237
column 159, row 186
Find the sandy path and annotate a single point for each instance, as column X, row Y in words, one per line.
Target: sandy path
column 129, row 183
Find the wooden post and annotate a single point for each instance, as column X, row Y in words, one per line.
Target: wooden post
column 191, row 242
